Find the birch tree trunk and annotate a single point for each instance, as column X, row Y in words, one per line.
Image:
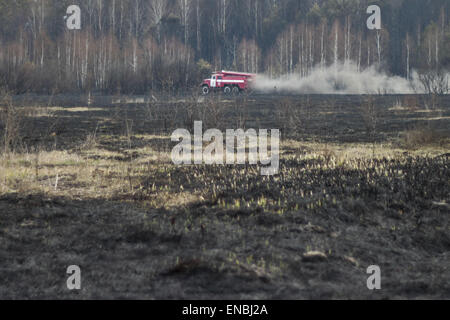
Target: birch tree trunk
column 198, row 26
column 407, row 56
column 379, row 47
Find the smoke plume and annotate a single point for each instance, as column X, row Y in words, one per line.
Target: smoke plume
column 340, row 79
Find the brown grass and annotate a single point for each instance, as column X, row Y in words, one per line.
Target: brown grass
column 422, row 137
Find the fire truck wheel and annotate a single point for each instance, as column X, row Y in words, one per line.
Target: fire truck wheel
column 227, row 90
column 205, row 90
column 236, row 91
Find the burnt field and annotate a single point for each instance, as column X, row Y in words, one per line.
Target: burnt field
column 363, row 180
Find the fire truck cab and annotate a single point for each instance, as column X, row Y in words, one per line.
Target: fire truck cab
column 227, row 82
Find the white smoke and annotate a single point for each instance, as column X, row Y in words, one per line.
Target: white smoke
column 340, row 79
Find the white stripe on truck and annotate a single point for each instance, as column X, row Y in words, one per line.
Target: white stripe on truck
column 231, row 81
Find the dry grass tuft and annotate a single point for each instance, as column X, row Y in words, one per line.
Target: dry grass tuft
column 423, row 136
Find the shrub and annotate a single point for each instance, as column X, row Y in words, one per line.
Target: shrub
column 11, row 119
column 422, row 136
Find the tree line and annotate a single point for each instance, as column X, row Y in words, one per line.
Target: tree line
column 137, row 46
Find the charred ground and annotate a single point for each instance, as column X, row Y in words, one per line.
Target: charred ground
column 363, row 180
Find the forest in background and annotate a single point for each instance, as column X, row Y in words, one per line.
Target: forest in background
column 140, row 46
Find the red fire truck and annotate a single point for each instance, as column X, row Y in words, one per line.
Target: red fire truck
column 228, row 82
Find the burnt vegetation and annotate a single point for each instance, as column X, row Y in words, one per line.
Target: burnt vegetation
column 87, row 179
column 96, row 187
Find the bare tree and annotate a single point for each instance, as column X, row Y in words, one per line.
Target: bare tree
column 435, row 81
column 158, row 9
column 185, row 8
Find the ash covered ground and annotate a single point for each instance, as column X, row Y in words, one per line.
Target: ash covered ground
column 363, row 181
